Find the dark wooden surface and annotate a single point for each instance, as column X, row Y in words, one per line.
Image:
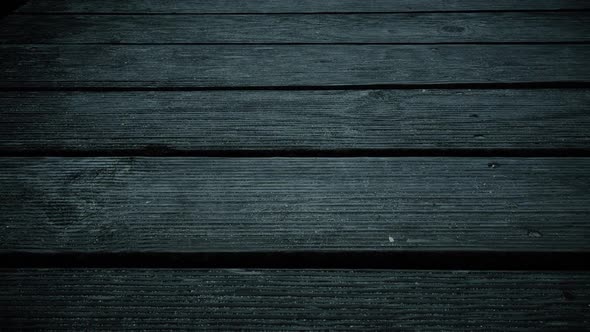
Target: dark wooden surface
column 306, row 135
column 293, row 300
column 263, row 204
column 298, row 6
column 169, row 122
column 194, row 66
column 320, row 28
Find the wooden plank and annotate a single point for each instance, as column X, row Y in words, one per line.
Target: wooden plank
column 357, row 28
column 299, row 6
column 225, row 204
column 136, row 122
column 166, row 66
column 159, row 299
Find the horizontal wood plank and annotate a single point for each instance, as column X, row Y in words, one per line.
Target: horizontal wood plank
column 293, row 300
column 171, row 122
column 299, row 6
column 358, row 28
column 194, row 66
column 221, row 204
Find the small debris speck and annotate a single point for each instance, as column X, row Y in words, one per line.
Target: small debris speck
column 493, row 165
column 535, row 234
column 391, row 239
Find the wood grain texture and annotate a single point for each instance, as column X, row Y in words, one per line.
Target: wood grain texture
column 293, row 300
column 357, row 28
column 294, row 120
column 225, row 204
column 141, row 66
column 299, row 6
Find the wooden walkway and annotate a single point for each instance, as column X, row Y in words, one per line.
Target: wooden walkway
column 305, row 164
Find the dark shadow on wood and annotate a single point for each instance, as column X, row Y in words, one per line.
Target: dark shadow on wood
column 8, row 6
column 165, row 151
column 370, row 259
column 451, row 86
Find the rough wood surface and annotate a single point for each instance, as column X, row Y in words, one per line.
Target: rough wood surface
column 218, row 204
column 141, row 66
column 357, row 28
column 62, row 210
column 298, row 6
column 293, row 300
column 294, row 120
